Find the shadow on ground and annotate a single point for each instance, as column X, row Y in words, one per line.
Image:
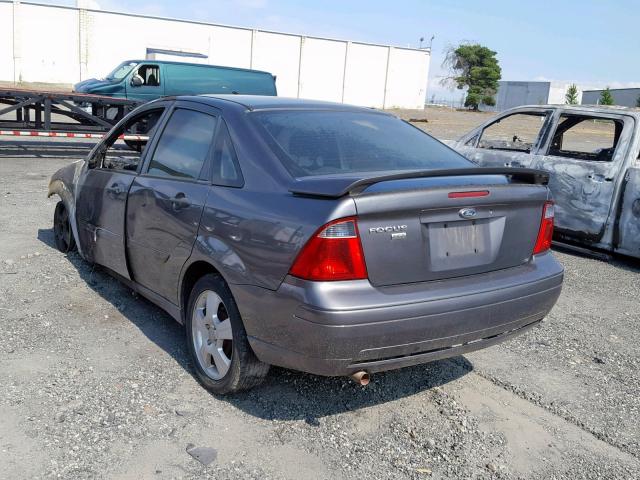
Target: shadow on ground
column 40, row 148
column 285, row 394
column 622, row 262
column 291, row 395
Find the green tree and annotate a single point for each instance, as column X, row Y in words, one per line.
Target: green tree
column 605, row 97
column 476, row 68
column 638, row 102
column 571, row 98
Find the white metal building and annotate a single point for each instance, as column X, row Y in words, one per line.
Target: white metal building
column 51, row 44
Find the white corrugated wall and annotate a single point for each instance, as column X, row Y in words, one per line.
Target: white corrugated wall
column 47, row 44
column 6, row 42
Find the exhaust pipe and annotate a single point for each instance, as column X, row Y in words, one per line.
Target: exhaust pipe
column 361, row 378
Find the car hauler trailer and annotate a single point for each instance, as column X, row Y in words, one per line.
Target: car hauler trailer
column 59, row 114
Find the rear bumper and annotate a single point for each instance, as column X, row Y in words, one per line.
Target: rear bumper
column 337, row 328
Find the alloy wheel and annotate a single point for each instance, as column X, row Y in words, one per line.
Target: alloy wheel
column 212, row 335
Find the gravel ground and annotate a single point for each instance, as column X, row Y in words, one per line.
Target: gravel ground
column 97, row 382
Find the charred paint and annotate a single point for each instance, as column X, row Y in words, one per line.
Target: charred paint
column 63, row 183
column 629, row 224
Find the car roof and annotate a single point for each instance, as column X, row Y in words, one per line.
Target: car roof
column 266, row 102
column 190, row 64
column 583, row 108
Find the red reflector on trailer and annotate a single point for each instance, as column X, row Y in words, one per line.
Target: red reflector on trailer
column 477, row 193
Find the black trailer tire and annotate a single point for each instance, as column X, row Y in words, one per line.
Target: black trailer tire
column 62, row 232
column 223, row 359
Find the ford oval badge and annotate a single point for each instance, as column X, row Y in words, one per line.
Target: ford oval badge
column 468, row 212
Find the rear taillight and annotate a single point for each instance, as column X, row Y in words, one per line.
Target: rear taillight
column 545, row 234
column 333, row 253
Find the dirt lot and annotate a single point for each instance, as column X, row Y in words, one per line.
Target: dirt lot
column 444, row 123
column 96, row 382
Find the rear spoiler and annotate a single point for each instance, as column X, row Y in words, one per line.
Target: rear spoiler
column 335, row 186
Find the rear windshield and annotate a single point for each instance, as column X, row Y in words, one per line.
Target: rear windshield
column 329, row 142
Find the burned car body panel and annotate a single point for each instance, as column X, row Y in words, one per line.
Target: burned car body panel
column 451, row 284
column 100, row 208
column 593, row 190
column 63, row 183
column 628, row 227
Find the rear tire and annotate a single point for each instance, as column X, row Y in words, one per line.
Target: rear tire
column 217, row 341
column 62, row 232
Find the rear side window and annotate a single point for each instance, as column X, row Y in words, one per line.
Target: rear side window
column 586, row 138
column 184, row 145
column 226, row 170
column 316, row 142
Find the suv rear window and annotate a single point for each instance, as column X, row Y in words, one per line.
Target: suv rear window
column 321, row 142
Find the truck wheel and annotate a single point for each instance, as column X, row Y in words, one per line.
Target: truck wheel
column 62, row 229
column 217, row 341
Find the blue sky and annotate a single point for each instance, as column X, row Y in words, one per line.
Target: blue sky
column 592, row 43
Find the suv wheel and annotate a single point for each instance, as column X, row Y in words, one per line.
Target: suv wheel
column 62, row 229
column 223, row 359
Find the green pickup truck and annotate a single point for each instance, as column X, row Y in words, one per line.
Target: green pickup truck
column 150, row 79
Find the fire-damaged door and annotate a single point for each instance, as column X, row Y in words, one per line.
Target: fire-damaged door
column 512, row 140
column 585, row 166
column 627, row 239
column 103, row 187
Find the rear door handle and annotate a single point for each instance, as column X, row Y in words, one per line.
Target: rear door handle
column 180, row 201
column 115, row 189
column 596, row 177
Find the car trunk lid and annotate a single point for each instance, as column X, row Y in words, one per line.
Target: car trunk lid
column 416, row 231
column 438, row 224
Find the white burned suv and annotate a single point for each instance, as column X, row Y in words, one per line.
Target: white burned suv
column 592, row 156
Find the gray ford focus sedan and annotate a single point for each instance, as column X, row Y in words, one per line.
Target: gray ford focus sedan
column 319, row 237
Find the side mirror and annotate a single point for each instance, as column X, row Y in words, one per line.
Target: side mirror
column 137, row 81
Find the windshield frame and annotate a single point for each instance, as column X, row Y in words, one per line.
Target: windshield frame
column 289, row 165
column 130, row 64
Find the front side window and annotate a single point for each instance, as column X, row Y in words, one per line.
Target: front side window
column 317, row 142
column 184, row 145
column 128, row 144
column 586, row 137
column 150, row 75
column 518, row 132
